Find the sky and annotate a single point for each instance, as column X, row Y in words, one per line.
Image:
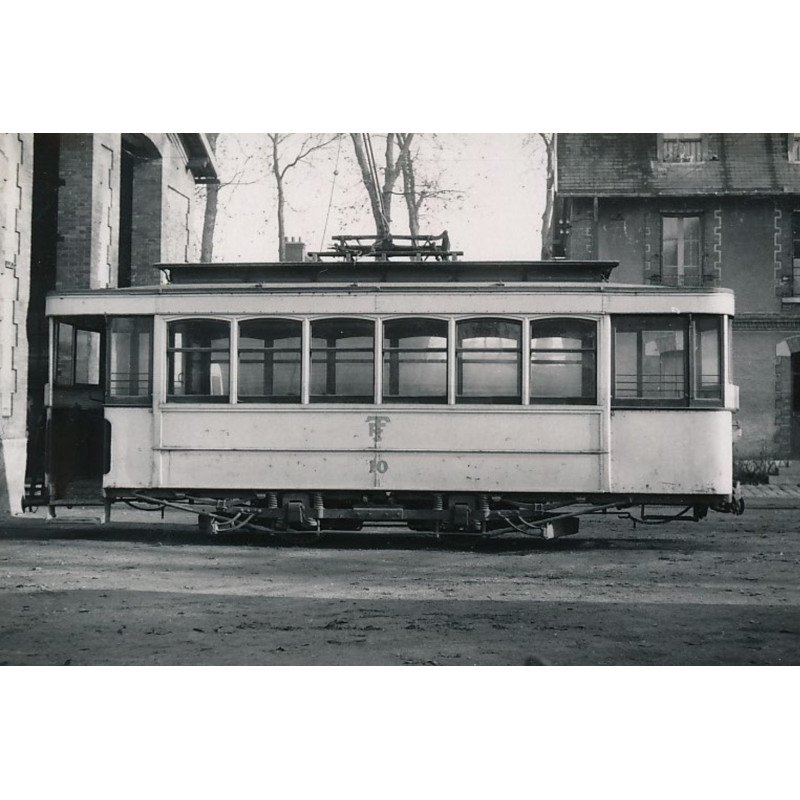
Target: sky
column 496, row 215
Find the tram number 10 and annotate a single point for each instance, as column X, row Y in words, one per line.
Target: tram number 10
column 378, row 465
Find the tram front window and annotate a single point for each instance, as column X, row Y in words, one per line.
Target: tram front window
column 650, row 359
column 563, row 361
column 342, row 361
column 488, row 360
column 415, row 361
column 77, row 356
column 198, row 360
column 707, row 358
column 655, row 365
column 270, row 361
column 65, row 359
column 130, row 348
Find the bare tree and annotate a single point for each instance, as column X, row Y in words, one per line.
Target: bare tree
column 420, row 186
column 420, row 192
column 283, row 158
column 381, row 193
column 210, row 214
column 548, row 140
column 412, row 198
column 212, row 192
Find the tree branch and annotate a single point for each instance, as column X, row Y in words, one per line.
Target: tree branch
column 306, row 151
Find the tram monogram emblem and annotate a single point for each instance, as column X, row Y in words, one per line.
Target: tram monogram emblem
column 376, row 426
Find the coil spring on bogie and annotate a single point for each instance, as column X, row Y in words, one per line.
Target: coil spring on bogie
column 483, row 514
column 272, row 500
column 438, row 505
column 318, row 504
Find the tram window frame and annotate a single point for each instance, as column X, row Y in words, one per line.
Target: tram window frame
column 172, row 397
column 691, row 398
column 71, row 356
column 707, row 398
column 460, row 361
column 292, row 398
column 146, row 327
column 362, row 328
column 587, row 363
column 396, row 358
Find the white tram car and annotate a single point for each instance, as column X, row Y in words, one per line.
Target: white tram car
column 452, row 396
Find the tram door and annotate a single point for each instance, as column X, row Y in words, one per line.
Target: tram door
column 76, row 427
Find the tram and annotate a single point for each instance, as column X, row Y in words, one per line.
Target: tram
column 399, row 386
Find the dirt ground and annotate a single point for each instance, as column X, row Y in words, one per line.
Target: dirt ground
column 143, row 591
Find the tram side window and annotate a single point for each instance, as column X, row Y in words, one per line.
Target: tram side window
column 342, row 361
column 270, row 359
column 415, row 361
column 708, row 358
column 650, row 360
column 129, row 360
column 77, row 356
column 198, row 361
column 563, row 361
column 488, row 361
column 654, row 364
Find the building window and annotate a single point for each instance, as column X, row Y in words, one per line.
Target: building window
column 794, row 147
column 563, row 361
column 270, row 361
column 681, row 263
column 342, row 361
column 562, row 222
column 415, row 361
column 129, row 360
column 198, row 361
column 488, row 361
column 682, row 148
column 655, row 366
column 77, row 356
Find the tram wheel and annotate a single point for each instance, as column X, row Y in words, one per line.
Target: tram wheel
column 204, row 524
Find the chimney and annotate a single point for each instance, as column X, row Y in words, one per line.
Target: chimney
column 294, row 250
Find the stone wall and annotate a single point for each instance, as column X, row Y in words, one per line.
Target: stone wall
column 16, row 180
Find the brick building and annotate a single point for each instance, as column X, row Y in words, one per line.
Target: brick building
column 81, row 211
column 702, row 210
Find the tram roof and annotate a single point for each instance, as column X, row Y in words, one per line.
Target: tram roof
column 416, row 272
column 496, row 297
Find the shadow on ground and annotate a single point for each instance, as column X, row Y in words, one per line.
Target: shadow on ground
column 618, row 536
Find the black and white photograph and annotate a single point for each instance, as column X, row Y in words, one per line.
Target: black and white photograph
column 369, row 451
column 286, row 415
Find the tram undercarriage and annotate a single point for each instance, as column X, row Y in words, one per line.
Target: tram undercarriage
column 477, row 514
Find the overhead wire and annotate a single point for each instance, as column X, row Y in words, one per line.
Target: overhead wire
column 330, row 199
